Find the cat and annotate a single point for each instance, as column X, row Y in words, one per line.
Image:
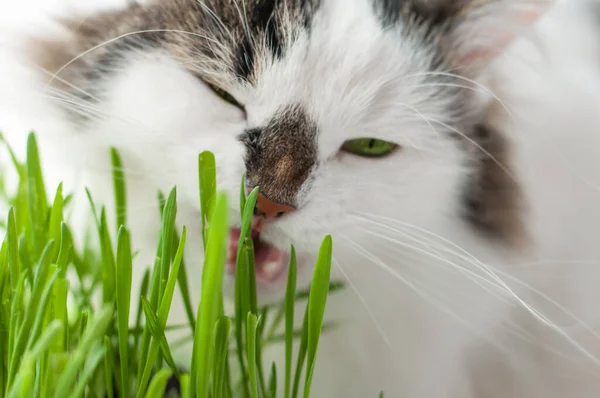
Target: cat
column 450, row 148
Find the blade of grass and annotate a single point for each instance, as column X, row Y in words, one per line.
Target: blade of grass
column 138, row 318
column 316, row 307
column 222, row 332
column 88, row 371
column 53, row 330
column 24, row 256
column 61, row 289
column 92, row 334
column 40, row 311
column 38, row 202
column 208, row 189
column 56, row 217
column 158, row 384
column 243, row 194
column 242, row 283
column 30, row 312
column 108, row 261
column 241, row 307
column 183, row 279
column 15, row 312
column 161, row 320
column 248, row 251
column 64, row 251
column 251, row 325
column 123, row 279
column 168, row 228
column 119, row 188
column 290, row 293
column 213, row 270
column 184, row 383
column 273, row 381
column 109, row 365
column 13, row 250
column 301, row 355
column 158, row 341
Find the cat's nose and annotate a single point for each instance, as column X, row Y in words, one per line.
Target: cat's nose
column 269, row 209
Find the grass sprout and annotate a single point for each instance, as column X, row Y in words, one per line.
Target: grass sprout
column 56, row 341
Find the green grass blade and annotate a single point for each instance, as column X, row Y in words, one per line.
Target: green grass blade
column 251, row 325
column 273, row 381
column 92, row 335
column 301, row 355
column 222, row 332
column 38, row 202
column 64, row 251
column 182, row 280
column 243, row 194
column 138, row 317
column 109, row 367
column 241, row 308
column 56, row 216
column 248, row 251
column 83, row 322
column 167, row 231
column 30, row 313
column 207, row 174
column 25, row 258
column 165, row 305
column 316, row 307
column 123, row 279
column 290, row 294
column 184, row 383
column 61, row 289
column 14, row 322
column 213, row 270
column 108, row 261
column 88, row 370
column 119, row 188
column 158, row 341
column 13, row 250
column 25, row 375
column 40, row 310
column 158, row 384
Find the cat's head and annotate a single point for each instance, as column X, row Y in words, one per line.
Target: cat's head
column 357, row 118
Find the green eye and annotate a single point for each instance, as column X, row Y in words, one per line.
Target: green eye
column 369, row 147
column 224, row 95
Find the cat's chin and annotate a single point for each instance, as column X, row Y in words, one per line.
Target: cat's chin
column 270, row 263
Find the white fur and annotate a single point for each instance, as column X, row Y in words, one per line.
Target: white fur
column 431, row 309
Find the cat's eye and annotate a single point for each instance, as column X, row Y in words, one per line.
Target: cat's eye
column 224, row 95
column 369, row 147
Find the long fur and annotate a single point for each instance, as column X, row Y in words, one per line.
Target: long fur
column 435, row 305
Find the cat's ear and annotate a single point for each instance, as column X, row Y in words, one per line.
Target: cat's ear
column 482, row 29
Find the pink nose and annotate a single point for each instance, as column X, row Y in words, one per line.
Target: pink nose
column 269, row 209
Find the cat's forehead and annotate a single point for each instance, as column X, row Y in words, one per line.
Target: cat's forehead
column 340, row 60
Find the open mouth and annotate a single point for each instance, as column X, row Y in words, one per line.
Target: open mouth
column 270, row 263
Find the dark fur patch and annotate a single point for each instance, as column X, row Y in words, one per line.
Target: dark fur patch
column 437, row 14
column 281, row 155
column 213, row 38
column 492, row 199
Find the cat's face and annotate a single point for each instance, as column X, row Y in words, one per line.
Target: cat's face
column 286, row 91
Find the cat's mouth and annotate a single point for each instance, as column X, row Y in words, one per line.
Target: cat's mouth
column 270, row 263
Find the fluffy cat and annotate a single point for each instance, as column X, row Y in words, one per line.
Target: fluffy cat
column 469, row 244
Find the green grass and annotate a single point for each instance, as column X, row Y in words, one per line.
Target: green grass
column 50, row 349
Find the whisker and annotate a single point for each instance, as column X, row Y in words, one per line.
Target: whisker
column 364, row 302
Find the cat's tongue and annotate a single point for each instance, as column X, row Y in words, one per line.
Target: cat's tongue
column 269, row 262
